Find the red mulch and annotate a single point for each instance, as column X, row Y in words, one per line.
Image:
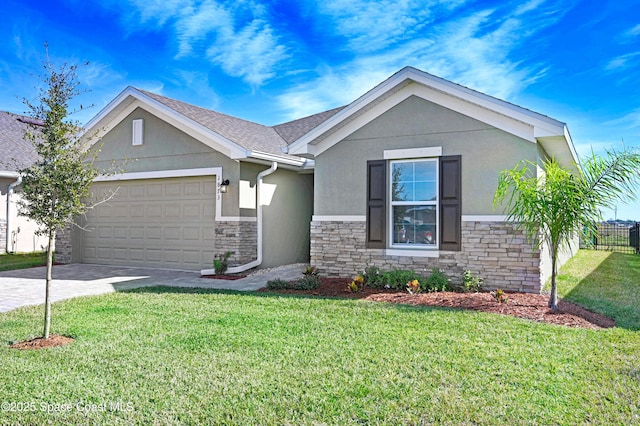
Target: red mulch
column 224, row 277
column 522, row 305
column 41, row 343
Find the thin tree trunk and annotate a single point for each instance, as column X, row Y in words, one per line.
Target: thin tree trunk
column 47, row 300
column 553, row 298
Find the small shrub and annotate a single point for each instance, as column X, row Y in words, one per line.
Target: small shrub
column 372, row 277
column 357, row 284
column 500, row 296
column 220, row 264
column 310, row 271
column 278, row 284
column 413, row 287
column 398, row 278
column 437, row 281
column 471, row 284
column 308, row 282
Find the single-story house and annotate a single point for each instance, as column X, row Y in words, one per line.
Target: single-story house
column 17, row 233
column 403, row 176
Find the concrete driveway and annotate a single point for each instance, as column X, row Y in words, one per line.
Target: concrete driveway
column 25, row 287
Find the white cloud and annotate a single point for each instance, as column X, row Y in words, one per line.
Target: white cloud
column 236, row 36
column 621, row 62
column 629, row 121
column 473, row 50
column 633, row 32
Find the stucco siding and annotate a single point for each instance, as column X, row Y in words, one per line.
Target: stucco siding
column 287, row 209
column 164, row 148
column 340, row 172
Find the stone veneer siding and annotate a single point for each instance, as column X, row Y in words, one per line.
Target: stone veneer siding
column 3, row 235
column 238, row 237
column 63, row 245
column 494, row 251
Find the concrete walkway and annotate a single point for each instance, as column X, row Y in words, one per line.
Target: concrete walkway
column 25, row 287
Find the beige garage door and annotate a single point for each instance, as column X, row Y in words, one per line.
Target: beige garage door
column 159, row 223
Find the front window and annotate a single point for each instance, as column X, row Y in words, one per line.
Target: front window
column 414, row 203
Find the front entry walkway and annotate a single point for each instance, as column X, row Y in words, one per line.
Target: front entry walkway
column 25, row 287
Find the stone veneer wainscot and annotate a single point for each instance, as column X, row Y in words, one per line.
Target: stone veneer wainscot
column 494, row 251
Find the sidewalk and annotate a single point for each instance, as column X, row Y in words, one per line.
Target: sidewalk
column 25, row 287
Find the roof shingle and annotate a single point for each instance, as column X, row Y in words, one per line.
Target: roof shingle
column 15, row 152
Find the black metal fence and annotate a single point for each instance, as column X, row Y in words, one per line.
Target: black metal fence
column 622, row 237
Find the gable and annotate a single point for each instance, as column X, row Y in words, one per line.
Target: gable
column 409, row 82
column 164, row 147
column 416, row 118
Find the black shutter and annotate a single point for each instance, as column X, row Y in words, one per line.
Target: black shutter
column 376, row 203
column 450, row 203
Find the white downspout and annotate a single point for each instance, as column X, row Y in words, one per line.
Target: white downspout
column 258, row 261
column 9, row 192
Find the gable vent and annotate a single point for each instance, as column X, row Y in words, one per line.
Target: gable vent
column 138, row 131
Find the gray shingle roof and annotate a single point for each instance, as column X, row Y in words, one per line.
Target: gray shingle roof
column 249, row 135
column 15, row 152
column 293, row 130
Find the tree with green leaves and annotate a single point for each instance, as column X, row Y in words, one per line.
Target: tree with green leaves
column 54, row 187
column 554, row 206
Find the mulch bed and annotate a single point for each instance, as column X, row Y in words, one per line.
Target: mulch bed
column 522, row 305
column 41, row 343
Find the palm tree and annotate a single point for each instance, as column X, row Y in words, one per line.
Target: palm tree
column 553, row 206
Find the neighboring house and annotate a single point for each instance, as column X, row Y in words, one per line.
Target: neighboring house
column 17, row 233
column 403, row 177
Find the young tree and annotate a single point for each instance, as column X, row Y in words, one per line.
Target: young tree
column 54, row 187
column 553, row 207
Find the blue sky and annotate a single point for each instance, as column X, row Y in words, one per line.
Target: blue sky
column 273, row 61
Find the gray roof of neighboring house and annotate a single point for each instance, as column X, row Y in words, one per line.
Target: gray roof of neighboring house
column 249, row 135
column 293, row 130
column 15, row 152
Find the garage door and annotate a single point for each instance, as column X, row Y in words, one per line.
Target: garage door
column 159, row 223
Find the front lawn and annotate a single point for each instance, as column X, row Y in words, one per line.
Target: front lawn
column 163, row 356
column 9, row 262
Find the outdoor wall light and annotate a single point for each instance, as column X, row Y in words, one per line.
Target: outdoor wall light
column 223, row 186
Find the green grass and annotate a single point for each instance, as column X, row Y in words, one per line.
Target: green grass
column 20, row 261
column 605, row 282
column 201, row 357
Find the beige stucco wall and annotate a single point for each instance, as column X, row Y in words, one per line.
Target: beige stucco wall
column 23, row 238
column 287, row 209
column 340, row 172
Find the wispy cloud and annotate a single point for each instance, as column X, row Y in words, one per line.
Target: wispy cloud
column 622, row 62
column 473, row 49
column 238, row 36
column 634, row 31
column 628, row 121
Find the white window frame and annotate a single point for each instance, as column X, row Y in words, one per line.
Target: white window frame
column 392, row 203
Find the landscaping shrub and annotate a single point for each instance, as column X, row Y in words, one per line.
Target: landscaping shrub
column 220, row 264
column 308, row 282
column 398, row 278
column 372, row 277
column 437, row 281
column 278, row 284
column 471, row 284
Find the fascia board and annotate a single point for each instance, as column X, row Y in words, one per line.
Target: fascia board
column 278, row 158
column 300, row 146
column 205, row 135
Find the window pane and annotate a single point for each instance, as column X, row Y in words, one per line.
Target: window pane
column 425, row 171
column 425, row 191
column 414, row 225
column 402, row 182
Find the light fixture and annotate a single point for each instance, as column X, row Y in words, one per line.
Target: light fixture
column 223, row 186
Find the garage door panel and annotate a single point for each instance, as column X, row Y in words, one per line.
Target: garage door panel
column 160, row 223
